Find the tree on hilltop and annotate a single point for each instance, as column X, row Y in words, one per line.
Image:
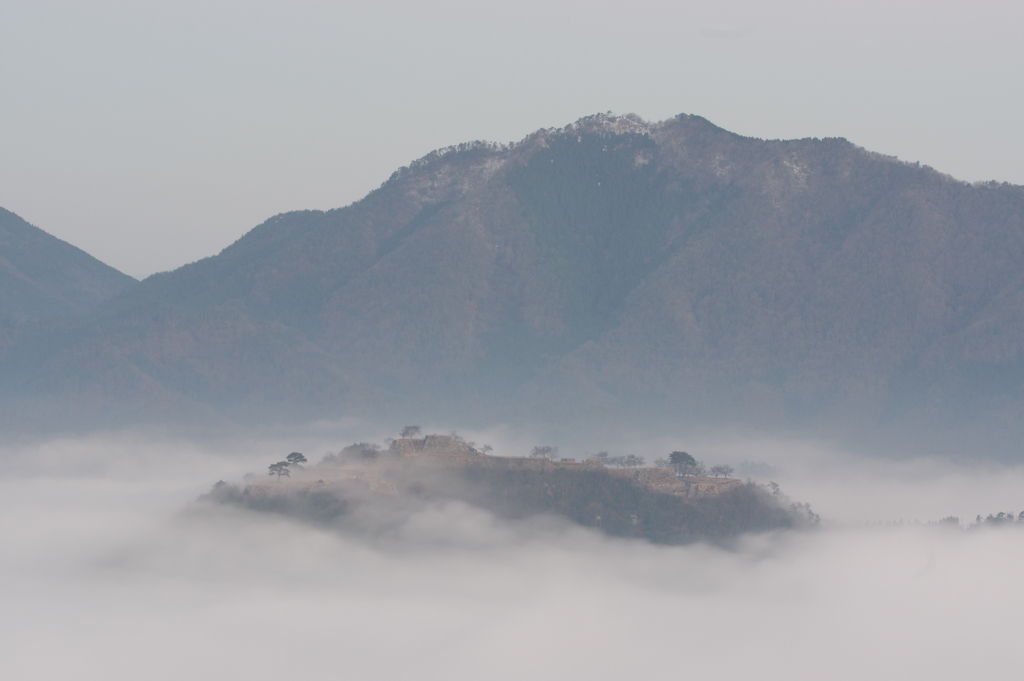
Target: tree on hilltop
column 721, row 470
column 544, row 452
column 360, row 451
column 633, row 461
column 295, row 459
column 280, row 468
column 410, row 432
column 682, row 463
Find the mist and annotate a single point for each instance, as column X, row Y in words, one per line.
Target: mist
column 113, row 571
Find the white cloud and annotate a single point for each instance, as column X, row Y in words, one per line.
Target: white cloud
column 107, row 577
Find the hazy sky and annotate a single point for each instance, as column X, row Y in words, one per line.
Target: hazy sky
column 152, row 134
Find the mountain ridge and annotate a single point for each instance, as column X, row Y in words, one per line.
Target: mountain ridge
column 615, row 268
column 43, row 276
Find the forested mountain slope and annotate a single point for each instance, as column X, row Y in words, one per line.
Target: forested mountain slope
column 42, row 276
column 609, row 268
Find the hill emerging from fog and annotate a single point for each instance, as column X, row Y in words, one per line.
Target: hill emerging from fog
column 611, row 269
column 42, row 276
column 373, row 491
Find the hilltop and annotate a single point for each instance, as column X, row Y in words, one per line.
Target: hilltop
column 368, row 489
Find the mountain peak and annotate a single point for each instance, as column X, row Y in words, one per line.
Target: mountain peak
column 612, row 268
column 43, row 276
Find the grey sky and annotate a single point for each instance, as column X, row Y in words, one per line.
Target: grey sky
column 152, row 134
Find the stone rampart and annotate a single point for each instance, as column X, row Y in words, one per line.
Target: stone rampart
column 437, row 445
column 664, row 480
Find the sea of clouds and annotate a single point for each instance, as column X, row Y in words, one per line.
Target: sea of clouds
column 111, row 571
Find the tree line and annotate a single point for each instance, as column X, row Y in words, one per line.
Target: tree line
column 681, row 463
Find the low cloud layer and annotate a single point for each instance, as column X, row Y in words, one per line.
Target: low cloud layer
column 112, row 573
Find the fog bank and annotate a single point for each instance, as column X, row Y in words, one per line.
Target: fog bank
column 112, row 573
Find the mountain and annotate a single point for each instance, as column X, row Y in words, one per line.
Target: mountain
column 613, row 269
column 42, row 276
